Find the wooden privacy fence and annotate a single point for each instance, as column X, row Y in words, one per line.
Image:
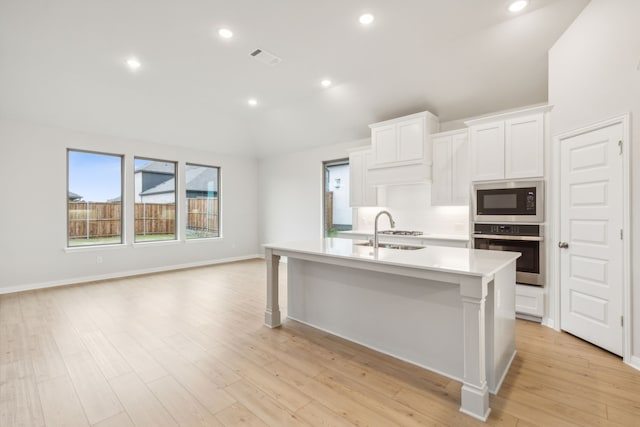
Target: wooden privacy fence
column 328, row 210
column 88, row 220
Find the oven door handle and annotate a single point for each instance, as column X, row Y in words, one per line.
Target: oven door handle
column 508, row 237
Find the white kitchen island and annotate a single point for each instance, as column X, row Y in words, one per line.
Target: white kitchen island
column 449, row 310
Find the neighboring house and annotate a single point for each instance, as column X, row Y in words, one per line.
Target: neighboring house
column 73, row 197
column 200, row 182
column 151, row 175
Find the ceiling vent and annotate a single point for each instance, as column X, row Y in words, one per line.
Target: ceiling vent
column 266, row 57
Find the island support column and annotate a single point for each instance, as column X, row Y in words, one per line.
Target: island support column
column 272, row 314
column 475, row 393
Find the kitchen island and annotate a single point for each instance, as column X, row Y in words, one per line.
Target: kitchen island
column 449, row 310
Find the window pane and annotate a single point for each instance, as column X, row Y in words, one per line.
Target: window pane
column 203, row 201
column 94, row 196
column 155, row 204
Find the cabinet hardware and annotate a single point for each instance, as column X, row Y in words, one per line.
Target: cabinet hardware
column 620, row 146
column 563, row 245
column 621, row 320
column 621, row 238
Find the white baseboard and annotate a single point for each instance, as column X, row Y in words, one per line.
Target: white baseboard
column 549, row 323
column 120, row 274
column 634, row 362
column 528, row 317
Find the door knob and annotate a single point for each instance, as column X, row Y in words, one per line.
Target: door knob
column 563, row 245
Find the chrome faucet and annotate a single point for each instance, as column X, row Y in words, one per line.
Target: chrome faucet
column 375, row 226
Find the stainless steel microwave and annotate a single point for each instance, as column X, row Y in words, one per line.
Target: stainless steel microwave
column 508, row 201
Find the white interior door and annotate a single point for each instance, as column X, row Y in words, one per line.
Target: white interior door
column 591, row 224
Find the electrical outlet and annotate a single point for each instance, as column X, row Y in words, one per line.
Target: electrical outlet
column 98, row 259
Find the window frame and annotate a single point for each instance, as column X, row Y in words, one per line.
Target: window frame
column 122, row 199
column 176, row 220
column 219, row 195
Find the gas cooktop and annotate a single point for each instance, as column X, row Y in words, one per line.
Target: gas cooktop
column 402, row 232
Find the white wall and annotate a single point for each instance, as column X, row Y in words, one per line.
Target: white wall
column 290, row 192
column 594, row 75
column 411, row 208
column 33, row 214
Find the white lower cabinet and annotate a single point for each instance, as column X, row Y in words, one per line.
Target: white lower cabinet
column 530, row 300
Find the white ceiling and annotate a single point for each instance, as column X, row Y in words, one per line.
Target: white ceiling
column 62, row 63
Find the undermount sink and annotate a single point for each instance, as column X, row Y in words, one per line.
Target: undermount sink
column 391, row 246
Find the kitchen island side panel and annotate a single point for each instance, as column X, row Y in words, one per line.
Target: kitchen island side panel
column 416, row 320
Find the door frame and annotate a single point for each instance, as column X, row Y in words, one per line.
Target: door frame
column 554, row 251
column 325, row 164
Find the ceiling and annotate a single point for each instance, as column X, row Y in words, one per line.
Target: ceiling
column 63, row 63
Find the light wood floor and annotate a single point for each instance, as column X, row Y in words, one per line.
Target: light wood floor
column 188, row 348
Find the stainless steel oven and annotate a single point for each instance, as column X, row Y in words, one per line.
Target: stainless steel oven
column 524, row 238
column 508, row 201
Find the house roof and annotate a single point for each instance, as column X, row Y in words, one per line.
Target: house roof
column 198, row 179
column 73, row 196
column 158, row 167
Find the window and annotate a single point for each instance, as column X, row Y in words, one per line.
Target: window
column 94, row 198
column 155, row 200
column 203, row 201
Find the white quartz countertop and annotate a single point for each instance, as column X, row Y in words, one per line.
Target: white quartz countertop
column 473, row 262
column 434, row 236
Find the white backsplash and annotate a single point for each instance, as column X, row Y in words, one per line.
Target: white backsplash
column 411, row 208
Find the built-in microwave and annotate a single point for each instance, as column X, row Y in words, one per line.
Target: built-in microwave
column 508, row 201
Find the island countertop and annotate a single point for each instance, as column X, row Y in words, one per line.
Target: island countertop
column 463, row 261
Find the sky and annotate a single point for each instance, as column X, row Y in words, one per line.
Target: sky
column 95, row 177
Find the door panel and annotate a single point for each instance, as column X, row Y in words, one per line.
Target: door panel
column 591, row 220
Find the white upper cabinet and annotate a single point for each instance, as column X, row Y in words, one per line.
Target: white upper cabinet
column 450, row 182
column 508, row 146
column 360, row 192
column 412, row 140
column 524, row 147
column 401, row 149
column 487, row 151
column 460, row 171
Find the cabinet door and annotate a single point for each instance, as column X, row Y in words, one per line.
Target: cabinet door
column 441, row 171
column 370, row 192
column 411, row 140
column 356, row 179
column 360, row 192
column 460, row 169
column 524, row 147
column 487, row 151
column 383, row 140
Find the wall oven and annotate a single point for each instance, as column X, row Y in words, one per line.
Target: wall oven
column 524, row 238
column 508, row 201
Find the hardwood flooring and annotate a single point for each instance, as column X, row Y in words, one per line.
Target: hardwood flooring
column 188, row 348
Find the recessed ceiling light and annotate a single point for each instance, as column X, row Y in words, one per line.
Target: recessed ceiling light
column 518, row 5
column 366, row 19
column 225, row 33
column 253, row 102
column 133, row 64
column 326, row 83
